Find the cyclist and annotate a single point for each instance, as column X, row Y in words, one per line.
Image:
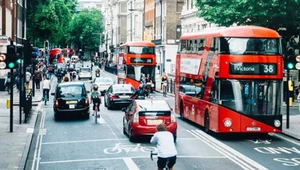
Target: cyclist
column 164, row 82
column 97, row 72
column 46, row 87
column 96, row 98
column 140, row 93
column 166, row 147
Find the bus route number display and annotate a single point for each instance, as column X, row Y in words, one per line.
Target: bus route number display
column 141, row 60
column 253, row 68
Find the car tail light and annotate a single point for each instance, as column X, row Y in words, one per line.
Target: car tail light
column 173, row 118
column 86, row 102
column 56, row 103
column 136, row 117
column 113, row 96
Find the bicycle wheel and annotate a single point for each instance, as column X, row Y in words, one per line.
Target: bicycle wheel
column 96, row 115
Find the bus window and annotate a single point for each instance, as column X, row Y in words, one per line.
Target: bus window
column 141, row 50
column 249, row 46
column 192, row 87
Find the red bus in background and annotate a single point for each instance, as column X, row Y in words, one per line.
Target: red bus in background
column 134, row 60
column 230, row 80
column 53, row 53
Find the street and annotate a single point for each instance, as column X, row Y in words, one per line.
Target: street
column 75, row 143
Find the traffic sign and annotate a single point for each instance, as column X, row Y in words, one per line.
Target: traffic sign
column 2, row 65
column 2, row 57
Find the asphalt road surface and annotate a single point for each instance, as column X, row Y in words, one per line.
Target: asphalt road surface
column 75, row 143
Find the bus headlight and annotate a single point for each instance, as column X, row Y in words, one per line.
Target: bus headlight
column 277, row 123
column 227, row 122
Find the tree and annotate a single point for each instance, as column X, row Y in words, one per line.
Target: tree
column 273, row 14
column 84, row 25
column 49, row 20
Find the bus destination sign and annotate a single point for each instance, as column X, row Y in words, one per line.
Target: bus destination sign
column 141, row 60
column 253, row 68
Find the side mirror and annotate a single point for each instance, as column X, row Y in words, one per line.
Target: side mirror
column 52, row 94
column 123, row 109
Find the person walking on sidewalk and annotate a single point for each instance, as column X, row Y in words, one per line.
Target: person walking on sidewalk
column 37, row 78
column 27, row 79
column 7, row 82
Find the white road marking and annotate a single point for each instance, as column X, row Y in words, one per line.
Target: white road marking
column 130, row 164
column 285, row 138
column 118, row 158
column 82, row 141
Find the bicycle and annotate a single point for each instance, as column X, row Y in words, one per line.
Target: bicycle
column 165, row 88
column 151, row 156
column 96, row 112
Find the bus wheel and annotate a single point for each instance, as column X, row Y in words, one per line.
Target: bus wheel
column 181, row 111
column 206, row 122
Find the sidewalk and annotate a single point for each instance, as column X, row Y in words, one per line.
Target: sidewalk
column 14, row 146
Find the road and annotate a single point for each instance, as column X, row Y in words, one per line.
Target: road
column 82, row 144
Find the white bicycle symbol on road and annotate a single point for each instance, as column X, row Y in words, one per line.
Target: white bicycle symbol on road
column 118, row 148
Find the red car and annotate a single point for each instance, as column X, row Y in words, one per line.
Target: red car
column 142, row 116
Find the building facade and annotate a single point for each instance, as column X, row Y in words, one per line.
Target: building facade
column 190, row 22
column 167, row 31
column 149, row 19
column 135, row 20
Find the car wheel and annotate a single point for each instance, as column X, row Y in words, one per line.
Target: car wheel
column 56, row 116
column 109, row 107
column 90, row 78
column 105, row 104
column 124, row 130
column 79, row 78
column 87, row 115
column 130, row 136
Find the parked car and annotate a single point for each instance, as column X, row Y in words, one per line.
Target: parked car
column 118, row 95
column 85, row 72
column 70, row 99
column 142, row 116
column 103, row 83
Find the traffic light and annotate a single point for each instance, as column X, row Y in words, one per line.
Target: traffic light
column 290, row 59
column 11, row 57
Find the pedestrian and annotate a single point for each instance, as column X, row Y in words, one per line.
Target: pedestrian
column 27, row 79
column 18, row 82
column 37, row 78
column 7, row 82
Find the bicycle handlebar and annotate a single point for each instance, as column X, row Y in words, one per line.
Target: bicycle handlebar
column 151, row 155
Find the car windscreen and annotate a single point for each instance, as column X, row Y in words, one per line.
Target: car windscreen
column 70, row 91
column 117, row 89
column 85, row 70
column 154, row 113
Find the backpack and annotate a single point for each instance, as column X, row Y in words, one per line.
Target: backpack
column 95, row 97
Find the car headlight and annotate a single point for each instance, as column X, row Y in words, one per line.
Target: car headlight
column 227, row 122
column 277, row 123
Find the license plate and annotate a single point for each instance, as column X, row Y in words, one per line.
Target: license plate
column 71, row 102
column 253, row 129
column 72, row 106
column 154, row 122
column 124, row 96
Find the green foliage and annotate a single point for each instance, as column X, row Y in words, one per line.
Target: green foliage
column 273, row 14
column 87, row 24
column 49, row 20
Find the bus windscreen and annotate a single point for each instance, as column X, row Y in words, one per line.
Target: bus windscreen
column 141, row 50
column 249, row 46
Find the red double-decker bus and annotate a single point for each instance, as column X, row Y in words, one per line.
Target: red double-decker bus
column 230, row 79
column 136, row 59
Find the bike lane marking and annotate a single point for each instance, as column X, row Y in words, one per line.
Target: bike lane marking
column 130, row 164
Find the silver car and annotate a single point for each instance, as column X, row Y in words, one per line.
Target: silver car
column 103, row 83
column 85, row 73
